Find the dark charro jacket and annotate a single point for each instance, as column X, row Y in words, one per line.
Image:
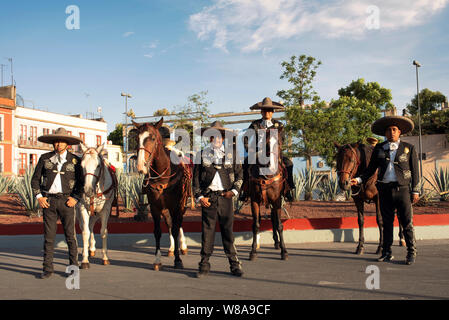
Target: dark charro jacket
column 405, row 164
column 258, row 125
column 72, row 179
column 230, row 172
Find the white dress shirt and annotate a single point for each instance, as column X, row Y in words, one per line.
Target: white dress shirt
column 56, row 187
column 216, row 184
column 267, row 123
column 390, row 175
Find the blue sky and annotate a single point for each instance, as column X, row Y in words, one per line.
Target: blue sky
column 163, row 51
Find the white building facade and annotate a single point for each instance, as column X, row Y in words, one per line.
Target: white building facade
column 29, row 124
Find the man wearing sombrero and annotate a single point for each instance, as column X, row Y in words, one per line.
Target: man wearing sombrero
column 397, row 181
column 57, row 184
column 217, row 178
column 267, row 108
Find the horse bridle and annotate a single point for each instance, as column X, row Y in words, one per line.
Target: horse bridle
column 356, row 161
column 150, row 160
column 101, row 167
column 354, row 168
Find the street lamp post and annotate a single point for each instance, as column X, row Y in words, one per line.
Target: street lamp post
column 417, row 65
column 126, row 95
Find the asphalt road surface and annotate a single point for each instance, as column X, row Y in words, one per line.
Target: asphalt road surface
column 313, row 271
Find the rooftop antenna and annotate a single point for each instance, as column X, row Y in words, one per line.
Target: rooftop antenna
column 12, row 74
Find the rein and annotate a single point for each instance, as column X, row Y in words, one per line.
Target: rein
column 98, row 194
column 148, row 178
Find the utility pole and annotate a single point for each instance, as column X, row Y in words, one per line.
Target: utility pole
column 418, row 65
column 126, row 95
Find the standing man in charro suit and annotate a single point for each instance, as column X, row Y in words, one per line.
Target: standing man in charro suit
column 57, row 184
column 267, row 108
column 397, row 181
column 217, row 178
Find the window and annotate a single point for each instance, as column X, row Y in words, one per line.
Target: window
column 46, row 131
column 33, row 135
column 83, row 137
column 23, row 163
column 98, row 140
column 33, row 159
column 23, row 134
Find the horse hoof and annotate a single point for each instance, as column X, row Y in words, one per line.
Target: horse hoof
column 91, row 253
column 184, row 252
column 284, row 256
column 252, row 256
column 106, row 262
column 171, row 254
column 277, row 246
column 85, row 265
column 402, row 243
column 157, row 266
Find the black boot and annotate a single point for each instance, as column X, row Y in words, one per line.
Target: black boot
column 410, row 259
column 386, row 256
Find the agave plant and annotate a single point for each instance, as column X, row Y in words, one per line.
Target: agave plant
column 299, row 181
column 25, row 192
column 328, row 188
column 427, row 197
column 6, row 184
column 311, row 181
column 130, row 191
column 440, row 182
column 125, row 191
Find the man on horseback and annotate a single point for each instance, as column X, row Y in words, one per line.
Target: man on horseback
column 397, row 181
column 267, row 108
column 217, row 178
column 57, row 183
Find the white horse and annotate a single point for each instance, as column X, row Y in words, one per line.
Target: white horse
column 99, row 193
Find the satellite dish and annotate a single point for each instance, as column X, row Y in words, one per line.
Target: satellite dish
column 19, row 100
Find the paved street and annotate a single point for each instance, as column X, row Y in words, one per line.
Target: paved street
column 313, row 271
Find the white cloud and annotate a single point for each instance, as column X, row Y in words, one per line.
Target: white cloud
column 127, row 34
column 148, row 55
column 151, row 45
column 251, row 25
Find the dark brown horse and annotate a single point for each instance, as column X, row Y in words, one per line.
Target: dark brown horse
column 352, row 160
column 167, row 185
column 266, row 185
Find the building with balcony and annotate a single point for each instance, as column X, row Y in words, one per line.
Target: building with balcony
column 20, row 127
column 29, row 124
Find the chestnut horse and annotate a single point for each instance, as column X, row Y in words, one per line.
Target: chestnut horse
column 168, row 185
column 352, row 160
column 266, row 185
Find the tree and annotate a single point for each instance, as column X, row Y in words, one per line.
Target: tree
column 371, row 92
column 345, row 120
column 434, row 122
column 116, row 136
column 197, row 108
column 300, row 72
column 161, row 112
column 428, row 100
